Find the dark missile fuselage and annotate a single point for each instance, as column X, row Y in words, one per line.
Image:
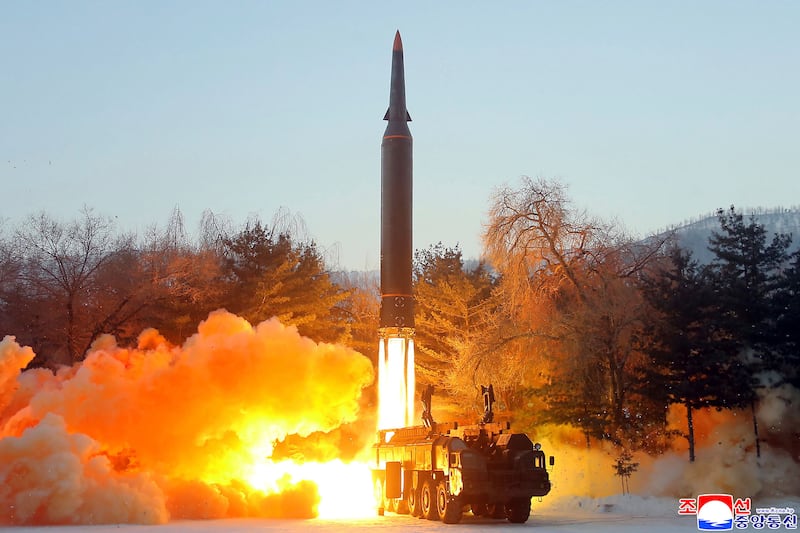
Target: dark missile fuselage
column 397, row 302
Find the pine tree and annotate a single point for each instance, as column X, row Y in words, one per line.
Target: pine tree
column 452, row 311
column 746, row 276
column 746, row 272
column 692, row 357
column 271, row 275
column 786, row 309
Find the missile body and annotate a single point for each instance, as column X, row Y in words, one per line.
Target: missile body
column 397, row 304
column 396, row 371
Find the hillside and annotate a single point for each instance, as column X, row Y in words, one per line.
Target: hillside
column 694, row 235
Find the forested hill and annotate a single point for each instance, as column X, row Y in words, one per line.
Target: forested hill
column 693, row 235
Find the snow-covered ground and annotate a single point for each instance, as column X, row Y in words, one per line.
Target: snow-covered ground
column 564, row 524
column 613, row 514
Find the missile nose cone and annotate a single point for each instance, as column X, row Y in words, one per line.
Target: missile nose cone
column 397, row 91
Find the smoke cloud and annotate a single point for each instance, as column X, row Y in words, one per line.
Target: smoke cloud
column 157, row 431
column 726, row 460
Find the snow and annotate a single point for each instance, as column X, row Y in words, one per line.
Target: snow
column 694, row 235
column 618, row 513
column 562, row 524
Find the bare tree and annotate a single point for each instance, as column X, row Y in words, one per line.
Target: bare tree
column 181, row 282
column 10, row 269
column 214, row 229
column 9, row 261
column 62, row 262
column 570, row 280
column 536, row 239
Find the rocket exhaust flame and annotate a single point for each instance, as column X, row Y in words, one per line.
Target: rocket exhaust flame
column 139, row 435
column 345, row 489
column 396, row 380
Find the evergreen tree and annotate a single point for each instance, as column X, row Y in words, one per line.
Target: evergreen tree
column 576, row 395
column 746, row 274
column 692, row 358
column 786, row 307
column 451, row 317
column 271, row 276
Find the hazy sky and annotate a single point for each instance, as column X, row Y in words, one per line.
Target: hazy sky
column 651, row 112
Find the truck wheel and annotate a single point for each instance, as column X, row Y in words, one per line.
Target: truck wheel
column 427, row 498
column 414, row 507
column 518, row 510
column 450, row 509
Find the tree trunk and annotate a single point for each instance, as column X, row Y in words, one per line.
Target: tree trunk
column 755, row 427
column 690, row 433
column 72, row 343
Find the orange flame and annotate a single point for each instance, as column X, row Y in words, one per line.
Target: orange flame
column 138, row 435
column 345, row 489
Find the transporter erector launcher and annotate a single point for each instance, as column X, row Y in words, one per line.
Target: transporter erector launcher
column 396, row 330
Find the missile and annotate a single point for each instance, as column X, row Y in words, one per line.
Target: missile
column 397, row 303
column 396, row 371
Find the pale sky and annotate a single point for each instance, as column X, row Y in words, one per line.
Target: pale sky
column 651, row 112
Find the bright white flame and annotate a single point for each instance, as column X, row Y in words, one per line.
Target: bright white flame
column 396, row 379
column 411, row 379
column 345, row 489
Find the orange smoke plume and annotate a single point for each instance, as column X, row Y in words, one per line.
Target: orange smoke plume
column 139, row 435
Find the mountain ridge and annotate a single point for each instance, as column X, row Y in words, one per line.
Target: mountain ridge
column 693, row 235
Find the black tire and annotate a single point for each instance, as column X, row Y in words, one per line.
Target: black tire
column 518, row 510
column 414, row 507
column 495, row 510
column 427, row 499
column 449, row 508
